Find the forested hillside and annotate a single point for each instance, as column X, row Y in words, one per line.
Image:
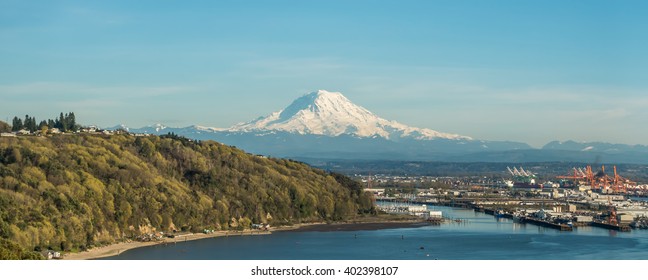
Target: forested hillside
column 71, row 192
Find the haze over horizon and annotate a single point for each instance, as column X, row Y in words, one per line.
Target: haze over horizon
column 501, row 70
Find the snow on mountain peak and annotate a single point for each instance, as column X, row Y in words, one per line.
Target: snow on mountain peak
column 206, row 128
column 159, row 126
column 332, row 114
column 120, row 126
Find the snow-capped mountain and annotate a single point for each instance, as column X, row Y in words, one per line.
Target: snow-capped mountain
column 325, row 124
column 332, row 114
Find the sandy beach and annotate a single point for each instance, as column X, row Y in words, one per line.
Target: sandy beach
column 118, row 248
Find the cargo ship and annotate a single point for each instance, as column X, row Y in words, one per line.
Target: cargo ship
column 538, row 222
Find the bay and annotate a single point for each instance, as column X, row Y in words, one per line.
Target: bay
column 477, row 237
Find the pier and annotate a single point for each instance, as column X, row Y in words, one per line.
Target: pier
column 561, row 227
column 537, row 222
column 618, row 227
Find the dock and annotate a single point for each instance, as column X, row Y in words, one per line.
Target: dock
column 617, row 227
column 561, row 227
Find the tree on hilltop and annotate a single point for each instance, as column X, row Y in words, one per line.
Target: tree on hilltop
column 65, row 123
column 17, row 124
column 4, row 127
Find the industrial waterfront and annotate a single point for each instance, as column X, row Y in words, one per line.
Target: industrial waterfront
column 581, row 198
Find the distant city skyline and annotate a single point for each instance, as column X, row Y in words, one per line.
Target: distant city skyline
column 523, row 71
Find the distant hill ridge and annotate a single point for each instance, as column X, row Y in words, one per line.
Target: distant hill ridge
column 594, row 147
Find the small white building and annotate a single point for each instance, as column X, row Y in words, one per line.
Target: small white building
column 584, row 188
column 583, row 219
column 5, row 134
column 417, row 208
column 550, row 184
column 436, row 214
column 90, row 129
column 635, row 212
column 625, row 217
column 377, row 192
column 50, row 254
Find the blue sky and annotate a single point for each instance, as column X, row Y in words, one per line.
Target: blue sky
column 530, row 71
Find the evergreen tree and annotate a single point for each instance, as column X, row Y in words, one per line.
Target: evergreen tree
column 42, row 124
column 17, row 124
column 63, row 126
column 26, row 122
column 30, row 123
column 57, row 123
column 69, row 122
column 65, row 122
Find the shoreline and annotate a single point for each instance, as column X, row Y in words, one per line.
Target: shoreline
column 118, row 248
column 359, row 226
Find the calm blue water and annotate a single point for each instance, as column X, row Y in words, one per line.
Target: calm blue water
column 482, row 237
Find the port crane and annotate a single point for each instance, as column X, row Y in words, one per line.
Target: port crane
column 612, row 214
column 521, row 172
column 599, row 181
